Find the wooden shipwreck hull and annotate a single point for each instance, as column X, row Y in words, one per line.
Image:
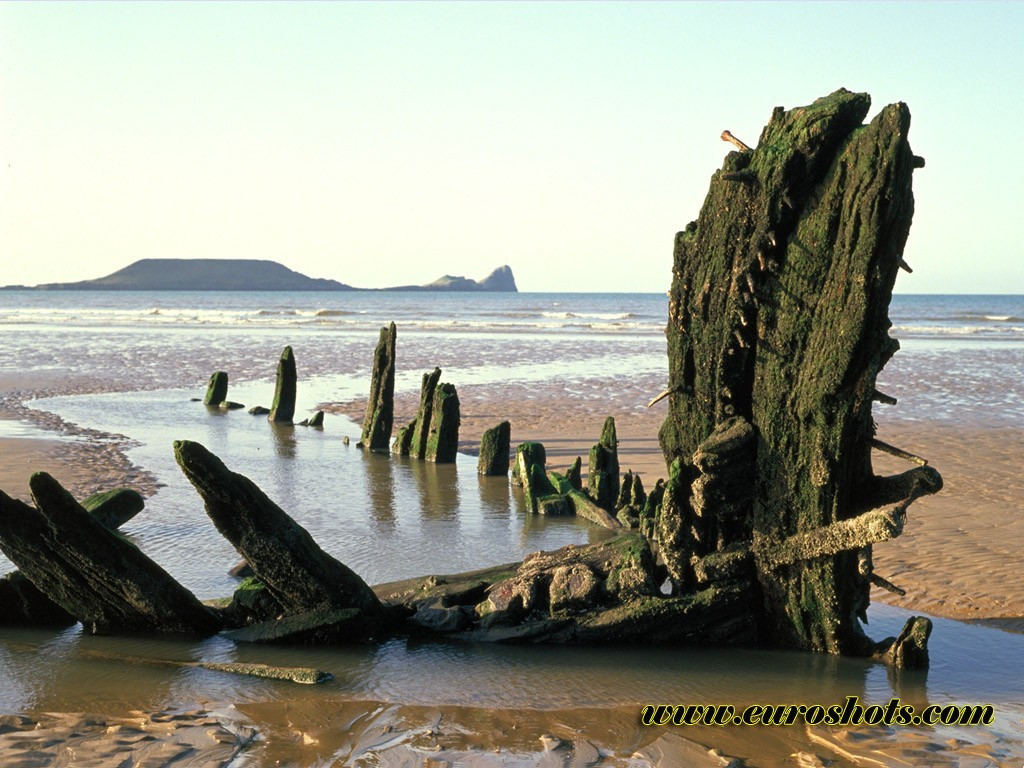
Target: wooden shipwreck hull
column 763, row 531
column 778, row 320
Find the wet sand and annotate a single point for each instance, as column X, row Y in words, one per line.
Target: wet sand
column 960, row 552
column 368, row 733
column 196, row 738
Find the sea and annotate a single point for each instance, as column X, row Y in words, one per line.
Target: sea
column 124, row 367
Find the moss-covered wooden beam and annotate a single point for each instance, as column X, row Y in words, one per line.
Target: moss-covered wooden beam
column 98, row 577
column 380, row 408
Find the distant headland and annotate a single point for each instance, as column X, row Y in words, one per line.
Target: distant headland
column 250, row 275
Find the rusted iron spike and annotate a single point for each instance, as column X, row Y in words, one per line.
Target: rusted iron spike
column 892, row 449
column 887, row 585
column 881, row 397
column 726, row 136
column 662, row 396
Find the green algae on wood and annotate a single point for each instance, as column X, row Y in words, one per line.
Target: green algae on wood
column 103, row 581
column 403, row 440
column 380, row 407
column 283, row 408
column 217, row 391
column 603, row 472
column 23, row 604
column 421, row 426
column 495, row 445
column 115, row 507
column 284, row 557
column 443, row 436
column 575, row 474
column 778, row 315
column 527, row 453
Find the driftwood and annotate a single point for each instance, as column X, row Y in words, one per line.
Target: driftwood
column 778, row 318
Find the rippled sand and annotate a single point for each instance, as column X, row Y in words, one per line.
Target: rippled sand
column 368, row 733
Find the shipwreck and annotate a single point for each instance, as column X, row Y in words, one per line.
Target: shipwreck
column 761, row 534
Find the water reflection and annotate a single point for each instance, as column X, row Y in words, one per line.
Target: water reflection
column 380, row 476
column 48, row 668
column 438, row 489
column 285, row 443
column 495, row 497
column 216, row 411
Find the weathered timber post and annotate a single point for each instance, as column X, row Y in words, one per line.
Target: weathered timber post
column 380, row 408
column 778, row 319
column 217, row 391
column 421, row 426
column 96, row 576
column 283, row 408
column 494, row 450
column 443, row 436
column 575, row 474
column 603, row 471
column 319, row 596
column 21, row 602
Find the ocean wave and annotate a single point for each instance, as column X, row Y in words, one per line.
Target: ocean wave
column 277, row 312
column 334, row 313
column 960, row 330
column 589, row 315
column 977, row 316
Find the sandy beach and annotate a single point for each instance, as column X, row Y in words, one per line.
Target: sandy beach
column 370, row 733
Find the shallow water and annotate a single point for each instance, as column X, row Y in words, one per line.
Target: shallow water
column 386, row 517
column 484, row 692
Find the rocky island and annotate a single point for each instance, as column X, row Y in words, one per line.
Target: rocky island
column 250, row 275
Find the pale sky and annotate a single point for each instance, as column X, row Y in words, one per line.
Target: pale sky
column 380, row 143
